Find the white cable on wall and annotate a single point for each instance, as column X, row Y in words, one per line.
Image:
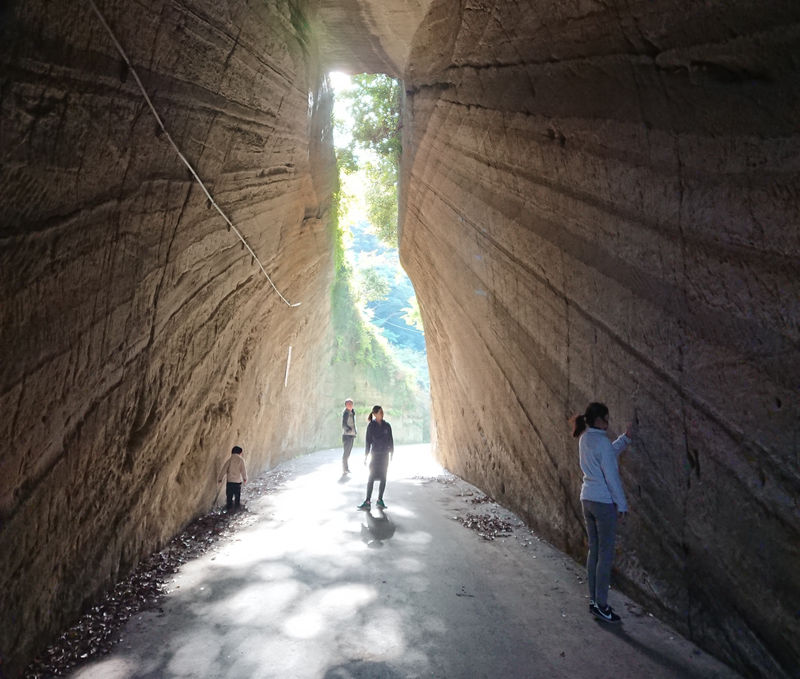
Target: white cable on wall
column 180, row 155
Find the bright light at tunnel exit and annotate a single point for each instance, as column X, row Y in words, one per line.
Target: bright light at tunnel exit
column 340, row 83
column 376, row 266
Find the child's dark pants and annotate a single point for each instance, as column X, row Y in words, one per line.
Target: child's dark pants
column 233, row 494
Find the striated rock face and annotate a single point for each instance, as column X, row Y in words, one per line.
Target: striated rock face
column 601, row 203
column 139, row 343
column 372, row 36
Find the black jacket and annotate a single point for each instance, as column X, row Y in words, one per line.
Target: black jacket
column 379, row 438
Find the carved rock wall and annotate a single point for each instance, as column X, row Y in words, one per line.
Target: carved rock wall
column 139, row 343
column 367, row 36
column 600, row 202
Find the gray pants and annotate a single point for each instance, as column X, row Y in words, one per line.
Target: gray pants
column 347, row 447
column 601, row 527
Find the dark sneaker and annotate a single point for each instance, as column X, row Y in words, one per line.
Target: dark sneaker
column 364, row 505
column 381, row 504
column 605, row 614
column 592, row 604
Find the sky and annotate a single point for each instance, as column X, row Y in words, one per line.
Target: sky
column 341, row 82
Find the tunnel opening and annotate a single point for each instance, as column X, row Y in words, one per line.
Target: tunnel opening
column 386, row 335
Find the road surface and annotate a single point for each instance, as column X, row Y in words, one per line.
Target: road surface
column 315, row 589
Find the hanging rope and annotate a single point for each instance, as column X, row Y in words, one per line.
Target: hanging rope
column 181, row 156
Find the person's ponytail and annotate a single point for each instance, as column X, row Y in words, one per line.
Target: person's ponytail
column 578, row 423
column 375, row 411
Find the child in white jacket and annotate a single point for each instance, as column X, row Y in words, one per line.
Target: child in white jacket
column 236, row 472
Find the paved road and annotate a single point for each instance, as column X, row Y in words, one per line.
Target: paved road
column 315, row 589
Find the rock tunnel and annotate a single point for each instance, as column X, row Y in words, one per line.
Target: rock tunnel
column 599, row 200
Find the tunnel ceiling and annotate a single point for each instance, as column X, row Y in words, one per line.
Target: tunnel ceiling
column 599, row 200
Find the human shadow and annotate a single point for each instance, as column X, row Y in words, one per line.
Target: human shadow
column 378, row 529
column 681, row 669
column 362, row 669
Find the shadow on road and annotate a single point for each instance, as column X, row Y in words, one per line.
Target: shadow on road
column 360, row 669
column 378, row 529
column 681, row 669
column 317, row 590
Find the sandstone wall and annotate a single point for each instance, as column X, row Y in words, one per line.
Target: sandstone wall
column 138, row 341
column 367, row 36
column 600, row 201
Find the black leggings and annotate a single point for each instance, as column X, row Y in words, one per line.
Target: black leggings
column 377, row 472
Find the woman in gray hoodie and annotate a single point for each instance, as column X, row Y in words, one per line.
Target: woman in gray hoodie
column 603, row 499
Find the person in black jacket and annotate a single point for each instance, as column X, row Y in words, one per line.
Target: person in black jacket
column 381, row 444
column 348, row 433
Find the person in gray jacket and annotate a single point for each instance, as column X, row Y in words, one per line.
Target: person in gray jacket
column 348, row 433
column 603, row 500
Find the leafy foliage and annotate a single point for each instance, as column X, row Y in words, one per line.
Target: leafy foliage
column 372, row 286
column 382, row 201
column 362, row 358
column 412, row 315
column 376, row 111
column 356, row 342
column 376, row 352
column 375, row 106
column 346, row 159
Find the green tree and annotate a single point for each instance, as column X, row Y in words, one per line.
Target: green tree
column 412, row 315
column 376, row 114
column 375, row 107
column 381, row 196
column 346, row 159
column 372, row 286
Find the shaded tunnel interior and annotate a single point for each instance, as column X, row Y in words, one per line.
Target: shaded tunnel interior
column 597, row 200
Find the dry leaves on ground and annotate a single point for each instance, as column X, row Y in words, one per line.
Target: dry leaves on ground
column 98, row 628
column 443, row 479
column 487, row 526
